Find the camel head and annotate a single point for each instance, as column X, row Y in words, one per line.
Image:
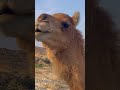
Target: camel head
column 12, row 9
column 57, row 29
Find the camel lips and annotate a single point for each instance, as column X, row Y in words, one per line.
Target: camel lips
column 45, row 21
column 37, row 30
column 7, row 11
column 48, row 31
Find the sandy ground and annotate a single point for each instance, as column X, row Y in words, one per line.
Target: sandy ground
column 46, row 80
column 13, row 67
column 13, row 71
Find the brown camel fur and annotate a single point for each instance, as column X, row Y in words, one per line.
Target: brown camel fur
column 18, row 22
column 64, row 45
column 102, row 49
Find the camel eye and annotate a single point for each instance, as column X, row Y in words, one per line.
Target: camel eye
column 65, row 25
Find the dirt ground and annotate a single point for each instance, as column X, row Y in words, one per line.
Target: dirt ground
column 46, row 80
column 13, row 63
column 13, row 67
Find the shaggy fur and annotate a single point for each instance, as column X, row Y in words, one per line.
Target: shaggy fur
column 102, row 49
column 64, row 47
column 19, row 25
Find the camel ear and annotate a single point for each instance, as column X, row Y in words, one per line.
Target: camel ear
column 76, row 17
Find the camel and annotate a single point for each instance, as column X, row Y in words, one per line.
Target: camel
column 64, row 46
column 18, row 22
column 103, row 49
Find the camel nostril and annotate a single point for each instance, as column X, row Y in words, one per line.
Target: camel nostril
column 37, row 30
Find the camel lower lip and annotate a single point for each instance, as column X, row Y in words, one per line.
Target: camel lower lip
column 4, row 18
column 46, row 32
column 43, row 32
column 46, row 21
column 7, row 11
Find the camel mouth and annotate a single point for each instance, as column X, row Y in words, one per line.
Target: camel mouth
column 6, row 11
column 46, row 21
column 40, row 31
